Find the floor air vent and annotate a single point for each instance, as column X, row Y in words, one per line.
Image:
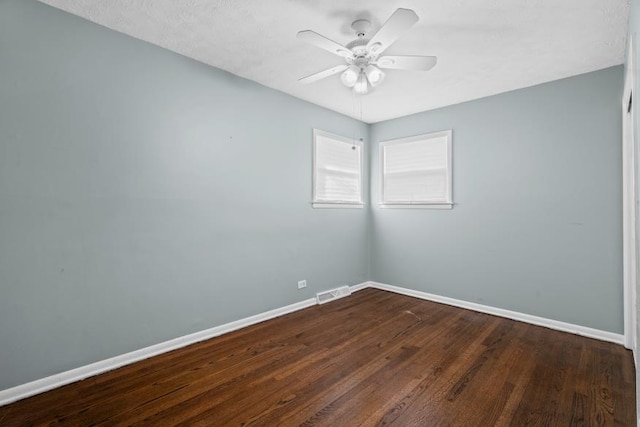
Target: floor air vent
column 333, row 294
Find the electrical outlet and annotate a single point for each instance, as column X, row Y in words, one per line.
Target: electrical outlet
column 302, row 284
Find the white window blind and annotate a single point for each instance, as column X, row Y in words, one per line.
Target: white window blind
column 337, row 170
column 417, row 170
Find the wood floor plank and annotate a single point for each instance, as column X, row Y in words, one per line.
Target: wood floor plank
column 374, row 358
column 376, row 353
column 414, row 380
column 430, row 402
column 443, row 360
column 493, row 386
column 212, row 401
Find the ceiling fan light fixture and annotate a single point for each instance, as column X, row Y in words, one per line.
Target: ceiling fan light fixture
column 374, row 74
column 362, row 86
column 363, row 67
column 350, row 76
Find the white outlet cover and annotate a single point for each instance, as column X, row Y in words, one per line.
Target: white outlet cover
column 302, row 284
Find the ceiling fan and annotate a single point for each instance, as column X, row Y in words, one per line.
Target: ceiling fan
column 363, row 67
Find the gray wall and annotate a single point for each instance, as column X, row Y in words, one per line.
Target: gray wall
column 537, row 223
column 144, row 196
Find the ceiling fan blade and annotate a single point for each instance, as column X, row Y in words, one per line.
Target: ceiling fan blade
column 406, row 62
column 324, row 43
column 398, row 24
column 322, row 74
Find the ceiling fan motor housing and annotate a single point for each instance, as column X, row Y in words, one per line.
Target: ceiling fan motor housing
column 358, row 47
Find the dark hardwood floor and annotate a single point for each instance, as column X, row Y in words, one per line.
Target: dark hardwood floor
column 374, row 358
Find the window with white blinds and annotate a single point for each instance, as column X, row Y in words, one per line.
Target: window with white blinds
column 337, row 171
column 416, row 171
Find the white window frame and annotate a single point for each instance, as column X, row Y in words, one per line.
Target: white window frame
column 337, row 204
column 444, row 204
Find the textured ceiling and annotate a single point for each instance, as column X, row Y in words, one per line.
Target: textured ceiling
column 484, row 47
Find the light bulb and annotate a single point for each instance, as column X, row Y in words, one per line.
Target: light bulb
column 375, row 75
column 350, row 76
column 361, row 87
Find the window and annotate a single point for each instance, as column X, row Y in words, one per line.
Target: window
column 416, row 171
column 337, row 171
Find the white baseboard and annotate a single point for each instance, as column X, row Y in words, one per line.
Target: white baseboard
column 360, row 286
column 54, row 381
column 514, row 315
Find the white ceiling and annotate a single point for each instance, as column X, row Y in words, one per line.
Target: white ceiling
column 484, row 47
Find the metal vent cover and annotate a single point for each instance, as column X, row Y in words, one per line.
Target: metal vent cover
column 333, row 294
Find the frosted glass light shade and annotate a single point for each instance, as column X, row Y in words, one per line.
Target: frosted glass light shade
column 374, row 74
column 350, row 76
column 362, row 86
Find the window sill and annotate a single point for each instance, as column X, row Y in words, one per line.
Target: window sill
column 417, row 206
column 337, row 205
